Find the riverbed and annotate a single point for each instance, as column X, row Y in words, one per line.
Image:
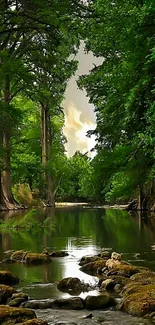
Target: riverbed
column 79, row 231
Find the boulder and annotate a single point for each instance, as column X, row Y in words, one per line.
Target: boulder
column 144, row 277
column 58, row 254
column 5, row 293
column 38, row 304
column 107, row 284
column 120, row 268
column 16, row 302
column 116, row 256
column 105, row 254
column 75, row 303
column 72, row 284
column 93, row 267
column 139, row 300
column 88, row 259
column 99, row 302
column 8, row 278
column 11, row 316
column 66, row 303
column 20, row 295
column 30, row 258
column 36, row 258
column 118, row 280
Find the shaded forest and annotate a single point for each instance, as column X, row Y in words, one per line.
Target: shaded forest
column 39, row 41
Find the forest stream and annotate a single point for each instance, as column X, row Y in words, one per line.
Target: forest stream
column 78, row 231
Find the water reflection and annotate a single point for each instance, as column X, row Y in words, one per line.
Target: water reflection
column 80, row 232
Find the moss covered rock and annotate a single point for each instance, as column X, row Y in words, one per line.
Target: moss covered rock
column 118, row 280
column 11, row 316
column 107, row 284
column 5, row 293
column 105, row 254
column 58, row 254
column 20, row 295
column 93, row 267
column 88, row 259
column 75, row 303
column 99, row 302
column 72, row 284
column 121, row 268
column 34, row 258
column 66, row 303
column 34, row 321
column 16, row 302
column 144, row 277
column 141, row 302
column 7, row 277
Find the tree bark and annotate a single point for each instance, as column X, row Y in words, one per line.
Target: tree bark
column 46, row 151
column 6, row 197
column 44, row 137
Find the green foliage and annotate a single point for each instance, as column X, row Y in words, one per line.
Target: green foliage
column 76, row 182
column 122, row 90
column 29, row 224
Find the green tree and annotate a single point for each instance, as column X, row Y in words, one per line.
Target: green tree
column 28, row 33
column 122, row 90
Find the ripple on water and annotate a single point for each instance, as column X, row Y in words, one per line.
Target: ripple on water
column 107, row 317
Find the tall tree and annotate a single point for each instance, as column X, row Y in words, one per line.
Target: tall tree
column 26, row 29
column 121, row 88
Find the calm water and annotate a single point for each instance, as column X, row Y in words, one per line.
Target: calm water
column 79, row 231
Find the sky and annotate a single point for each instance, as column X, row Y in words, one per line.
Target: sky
column 79, row 113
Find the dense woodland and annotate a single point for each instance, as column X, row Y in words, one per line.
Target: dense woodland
column 38, row 45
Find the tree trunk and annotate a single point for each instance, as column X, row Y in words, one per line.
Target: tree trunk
column 6, row 197
column 46, row 151
column 44, row 137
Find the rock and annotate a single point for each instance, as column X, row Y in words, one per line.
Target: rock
column 30, row 258
column 99, row 302
column 88, row 259
column 11, row 316
column 20, row 295
column 34, row 258
column 58, row 254
column 38, row 304
column 141, row 302
column 93, row 267
column 34, row 321
column 105, row 254
column 5, row 293
column 7, row 277
column 144, row 277
column 121, row 268
column 118, row 280
column 73, row 284
column 16, row 302
column 116, row 256
column 87, row 316
column 107, row 284
column 75, row 303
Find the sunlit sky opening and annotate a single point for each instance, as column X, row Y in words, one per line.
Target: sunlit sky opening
column 79, row 113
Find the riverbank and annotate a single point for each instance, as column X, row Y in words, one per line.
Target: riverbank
column 87, row 205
